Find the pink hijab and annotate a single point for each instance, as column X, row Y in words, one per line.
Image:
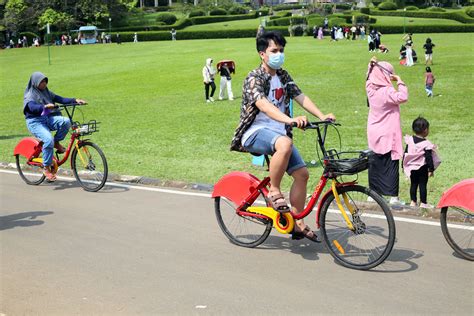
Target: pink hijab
column 379, row 74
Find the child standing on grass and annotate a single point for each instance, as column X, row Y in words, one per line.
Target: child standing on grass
column 428, row 51
column 420, row 161
column 429, row 82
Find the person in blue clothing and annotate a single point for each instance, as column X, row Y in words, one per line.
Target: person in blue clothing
column 42, row 118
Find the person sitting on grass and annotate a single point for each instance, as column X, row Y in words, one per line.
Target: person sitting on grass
column 265, row 126
column 42, row 118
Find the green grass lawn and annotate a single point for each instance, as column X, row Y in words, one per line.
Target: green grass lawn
column 150, row 99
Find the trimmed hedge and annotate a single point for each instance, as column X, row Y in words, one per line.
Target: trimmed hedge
column 222, row 18
column 337, row 22
column 365, row 10
column 167, row 18
column 457, row 16
column 436, row 9
column 387, row 6
column 470, row 12
column 390, row 29
column 237, row 10
column 411, row 8
column 195, row 13
column 218, row 11
column 281, row 7
column 294, row 20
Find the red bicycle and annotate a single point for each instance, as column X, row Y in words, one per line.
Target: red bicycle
column 88, row 162
column 457, row 212
column 356, row 224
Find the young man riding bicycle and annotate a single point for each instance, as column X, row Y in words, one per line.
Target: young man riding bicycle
column 265, row 125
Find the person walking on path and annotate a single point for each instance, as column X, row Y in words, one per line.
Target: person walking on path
column 384, row 131
column 208, row 74
column 135, row 38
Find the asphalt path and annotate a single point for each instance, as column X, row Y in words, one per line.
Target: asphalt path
column 129, row 251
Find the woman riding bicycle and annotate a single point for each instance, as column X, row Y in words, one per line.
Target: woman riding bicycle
column 264, row 126
column 42, row 118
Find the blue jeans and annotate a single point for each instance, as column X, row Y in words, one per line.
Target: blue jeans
column 41, row 128
column 429, row 90
column 263, row 142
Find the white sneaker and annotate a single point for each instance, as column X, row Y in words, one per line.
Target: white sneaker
column 426, row 205
column 220, row 99
column 208, row 101
column 231, row 99
column 210, row 98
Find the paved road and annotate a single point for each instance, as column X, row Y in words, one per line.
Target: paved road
column 126, row 251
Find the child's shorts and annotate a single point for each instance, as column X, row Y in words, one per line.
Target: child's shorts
column 263, row 142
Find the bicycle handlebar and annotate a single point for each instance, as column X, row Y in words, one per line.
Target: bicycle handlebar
column 57, row 106
column 315, row 125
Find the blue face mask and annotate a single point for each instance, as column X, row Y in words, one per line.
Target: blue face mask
column 275, row 61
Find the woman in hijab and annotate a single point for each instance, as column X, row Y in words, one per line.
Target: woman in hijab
column 42, row 118
column 384, row 132
column 208, row 73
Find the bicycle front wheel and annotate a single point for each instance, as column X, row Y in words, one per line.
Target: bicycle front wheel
column 245, row 231
column 89, row 166
column 456, row 224
column 31, row 174
column 372, row 236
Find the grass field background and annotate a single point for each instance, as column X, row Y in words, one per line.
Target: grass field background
column 149, row 98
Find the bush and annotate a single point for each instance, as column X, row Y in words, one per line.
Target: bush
column 411, row 8
column 237, row 10
column 197, row 13
column 343, row 6
column 297, row 30
column 337, row 22
column 281, row 7
column 217, row 11
column 263, row 11
column 221, row 18
column 315, row 20
column 294, row 20
column 436, row 9
column 387, row 6
column 470, row 12
column 167, row 18
column 457, row 16
column 365, row 10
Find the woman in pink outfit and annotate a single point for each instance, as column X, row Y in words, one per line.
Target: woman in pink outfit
column 384, row 132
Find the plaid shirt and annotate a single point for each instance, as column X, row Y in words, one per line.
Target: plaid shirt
column 257, row 86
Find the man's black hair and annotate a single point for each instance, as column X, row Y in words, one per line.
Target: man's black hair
column 420, row 124
column 264, row 40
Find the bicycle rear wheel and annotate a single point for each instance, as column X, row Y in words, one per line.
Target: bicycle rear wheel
column 89, row 166
column 31, row 174
column 456, row 224
column 245, row 231
column 373, row 236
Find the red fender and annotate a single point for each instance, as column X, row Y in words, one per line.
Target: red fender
column 461, row 195
column 26, row 147
column 236, row 186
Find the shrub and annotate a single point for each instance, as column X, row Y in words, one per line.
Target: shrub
column 287, row 7
column 218, row 11
column 167, row 18
column 297, row 30
column 337, row 22
column 411, row 8
column 457, row 16
column 387, row 6
column 237, row 10
column 221, row 18
column 470, row 12
column 343, row 6
column 436, row 9
column 263, row 11
column 365, row 10
column 196, row 13
column 294, row 20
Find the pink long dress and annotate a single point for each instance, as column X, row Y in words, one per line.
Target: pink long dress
column 384, row 132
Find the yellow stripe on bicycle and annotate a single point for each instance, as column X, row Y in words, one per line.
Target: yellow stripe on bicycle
column 80, row 155
column 338, row 246
column 340, row 206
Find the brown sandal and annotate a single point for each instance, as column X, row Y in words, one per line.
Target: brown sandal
column 280, row 206
column 295, row 235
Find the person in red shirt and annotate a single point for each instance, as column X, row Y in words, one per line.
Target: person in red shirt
column 429, row 82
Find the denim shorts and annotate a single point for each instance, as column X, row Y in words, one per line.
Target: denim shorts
column 263, row 142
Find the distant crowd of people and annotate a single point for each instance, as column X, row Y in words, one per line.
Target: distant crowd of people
column 22, row 42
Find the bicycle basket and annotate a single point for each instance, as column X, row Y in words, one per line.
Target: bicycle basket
column 338, row 164
column 86, row 128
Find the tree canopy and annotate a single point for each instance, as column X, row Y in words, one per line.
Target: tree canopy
column 33, row 15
